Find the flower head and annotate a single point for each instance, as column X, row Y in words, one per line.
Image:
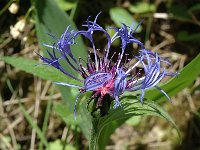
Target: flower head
column 101, row 75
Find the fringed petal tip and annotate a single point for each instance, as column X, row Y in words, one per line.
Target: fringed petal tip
column 176, row 74
column 70, row 85
column 37, row 54
column 117, row 103
column 142, row 96
column 164, row 93
column 76, row 101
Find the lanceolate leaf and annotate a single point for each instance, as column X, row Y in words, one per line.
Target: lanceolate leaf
column 51, row 19
column 116, row 14
column 176, row 84
column 131, row 107
column 30, row 66
column 50, row 73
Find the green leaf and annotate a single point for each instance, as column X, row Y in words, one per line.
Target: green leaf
column 6, row 142
column 133, row 121
column 186, row 37
column 50, row 73
column 66, row 115
column 51, row 19
column 66, row 4
column 57, row 145
column 120, row 15
column 180, row 11
column 131, row 107
column 82, row 112
column 142, row 7
column 83, row 118
column 107, row 132
column 195, row 7
column 185, row 78
column 117, row 41
column 29, row 66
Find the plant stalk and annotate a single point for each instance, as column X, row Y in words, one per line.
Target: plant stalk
column 94, row 135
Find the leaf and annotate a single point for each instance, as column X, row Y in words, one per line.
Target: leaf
column 120, row 15
column 51, row 19
column 82, row 112
column 50, row 73
column 186, row 37
column 133, row 121
column 107, row 132
column 66, row 115
column 57, row 145
column 131, row 107
column 142, row 7
column 195, row 7
column 83, row 118
column 179, row 11
column 117, row 41
column 66, row 4
column 6, row 142
column 185, row 78
column 29, row 66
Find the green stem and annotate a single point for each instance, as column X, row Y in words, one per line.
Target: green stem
column 148, row 29
column 94, row 135
column 6, row 7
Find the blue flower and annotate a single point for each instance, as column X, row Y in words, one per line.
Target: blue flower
column 101, row 75
column 153, row 73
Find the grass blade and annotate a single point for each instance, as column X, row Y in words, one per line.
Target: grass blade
column 34, row 126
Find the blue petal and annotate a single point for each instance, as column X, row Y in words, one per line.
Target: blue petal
column 70, row 85
column 117, row 102
column 77, row 98
column 163, row 93
column 120, row 83
column 142, row 95
column 96, row 80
